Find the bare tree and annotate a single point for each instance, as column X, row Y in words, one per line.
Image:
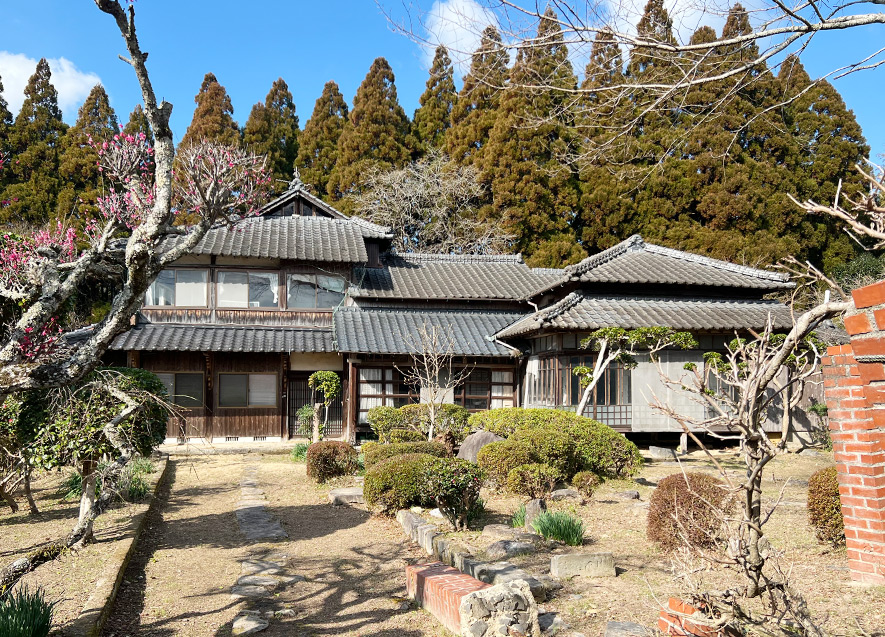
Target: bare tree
column 432, row 206
column 433, row 368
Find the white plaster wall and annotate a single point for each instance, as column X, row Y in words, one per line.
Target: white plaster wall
column 316, row 362
column 646, row 384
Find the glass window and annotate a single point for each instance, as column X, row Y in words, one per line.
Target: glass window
column 191, row 288
column 262, row 390
column 308, row 291
column 184, row 390
column 233, row 289
column 330, row 291
column 264, row 289
column 233, row 390
column 168, row 381
column 301, row 291
column 379, row 387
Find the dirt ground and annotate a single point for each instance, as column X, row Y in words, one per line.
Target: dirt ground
column 179, row 581
column 23, row 532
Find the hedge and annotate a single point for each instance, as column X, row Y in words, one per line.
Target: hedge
column 398, row 482
column 825, row 507
column 534, row 480
column 498, row 458
column 373, row 453
column 329, row 459
column 384, row 420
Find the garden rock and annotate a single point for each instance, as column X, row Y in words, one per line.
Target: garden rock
column 348, row 495
column 474, row 442
column 626, row 629
column 810, row 452
column 508, row 548
column 503, row 573
column 586, row 564
column 498, row 531
column 260, row 567
column 257, row 580
column 551, row 623
column 661, row 453
column 436, row 513
column 533, row 509
column 627, row 495
column 248, row 624
column 239, row 592
column 503, row 609
column 567, row 494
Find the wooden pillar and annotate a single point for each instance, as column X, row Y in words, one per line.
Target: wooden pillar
column 209, row 420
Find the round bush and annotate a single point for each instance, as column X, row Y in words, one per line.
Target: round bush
column 330, row 459
column 505, row 421
column 454, row 485
column 375, row 453
column 824, row 506
column 497, row 459
column 533, row 480
column 549, row 446
column 383, row 419
column 398, row 482
column 688, row 509
column 449, row 418
column 586, row 482
column 602, row 450
column 405, row 435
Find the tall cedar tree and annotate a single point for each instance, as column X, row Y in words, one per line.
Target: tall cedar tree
column 33, row 181
column 534, row 193
column 434, row 117
column 138, row 123
column 475, row 111
column 78, row 162
column 318, row 143
column 213, row 118
column 5, row 119
column 272, row 130
column 374, row 136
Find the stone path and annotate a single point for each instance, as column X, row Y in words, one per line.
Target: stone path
column 252, row 516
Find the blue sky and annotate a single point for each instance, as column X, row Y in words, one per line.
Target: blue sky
column 249, row 45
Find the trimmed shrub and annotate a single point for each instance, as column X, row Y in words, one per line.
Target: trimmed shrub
column 549, row 446
column 449, row 418
column 603, row 450
column 586, row 482
column 25, row 614
column 560, row 526
column 398, row 482
column 506, row 420
column 405, row 435
column 533, row 480
column 299, row 452
column 383, row 419
column 330, row 459
column 824, row 506
column 497, row 459
column 454, row 485
column 688, row 509
column 375, row 453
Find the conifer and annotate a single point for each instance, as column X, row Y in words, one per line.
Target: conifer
column 5, row 119
column 213, row 118
column 434, row 117
column 374, row 136
column 138, row 123
column 272, row 130
column 318, row 143
column 78, row 160
column 475, row 110
column 33, row 181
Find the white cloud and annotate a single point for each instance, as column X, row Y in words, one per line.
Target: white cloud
column 72, row 84
column 457, row 24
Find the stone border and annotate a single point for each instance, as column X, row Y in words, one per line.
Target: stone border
column 95, row 613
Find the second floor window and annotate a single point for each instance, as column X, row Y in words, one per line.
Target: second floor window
column 308, row 291
column 184, row 288
column 248, row 289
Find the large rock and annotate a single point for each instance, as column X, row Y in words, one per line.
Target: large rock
column 503, row 609
column 567, row 494
column 586, row 564
column 508, row 548
column 474, row 442
column 626, row 629
column 348, row 495
column 533, row 509
column 661, row 453
column 248, row 624
column 502, row 573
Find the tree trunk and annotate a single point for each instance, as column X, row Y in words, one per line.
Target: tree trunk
column 7, row 497
column 315, row 437
column 31, row 503
column 87, row 502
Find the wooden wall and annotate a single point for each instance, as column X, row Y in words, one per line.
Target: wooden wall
column 195, row 422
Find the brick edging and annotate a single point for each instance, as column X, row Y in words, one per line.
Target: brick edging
column 95, row 612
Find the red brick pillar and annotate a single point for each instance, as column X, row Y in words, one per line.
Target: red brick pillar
column 854, row 387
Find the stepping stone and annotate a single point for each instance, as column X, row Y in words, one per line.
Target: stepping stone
column 257, row 580
column 251, row 491
column 567, row 494
column 500, row 531
column 631, row 494
column 239, row 592
column 260, row 567
column 248, row 624
column 348, row 495
column 291, row 579
column 626, row 629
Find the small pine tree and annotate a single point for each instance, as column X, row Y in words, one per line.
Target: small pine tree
column 434, row 117
column 138, row 123
column 272, row 130
column 318, row 143
column 213, row 118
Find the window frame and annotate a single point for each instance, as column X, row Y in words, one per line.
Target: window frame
column 461, row 397
column 174, row 386
column 414, row 397
column 176, row 270
column 314, row 276
column 276, row 404
column 248, row 272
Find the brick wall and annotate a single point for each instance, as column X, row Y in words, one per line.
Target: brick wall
column 439, row 589
column 854, row 388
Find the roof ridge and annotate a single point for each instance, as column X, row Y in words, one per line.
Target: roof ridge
column 458, row 258
column 667, row 297
column 716, row 263
column 420, row 310
column 634, row 242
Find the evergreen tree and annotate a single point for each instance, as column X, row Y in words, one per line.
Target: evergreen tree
column 272, row 130
column 5, row 119
column 434, row 117
column 657, row 26
column 318, row 143
column 33, row 181
column 78, row 161
column 213, row 118
column 138, row 123
column 374, row 136
column 475, row 110
column 534, row 193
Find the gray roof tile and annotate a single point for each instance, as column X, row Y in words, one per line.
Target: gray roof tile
column 396, row 331
column 580, row 311
column 443, row 276
column 201, row 338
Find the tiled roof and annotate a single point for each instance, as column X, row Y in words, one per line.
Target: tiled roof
column 299, row 238
column 635, row 261
column 396, row 331
column 444, row 276
column 201, row 338
column 580, row 311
